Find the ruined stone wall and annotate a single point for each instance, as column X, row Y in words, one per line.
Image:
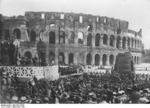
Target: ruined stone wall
column 75, row 38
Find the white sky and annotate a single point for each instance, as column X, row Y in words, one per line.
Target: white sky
column 137, row 12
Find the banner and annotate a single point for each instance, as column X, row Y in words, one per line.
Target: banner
column 51, row 72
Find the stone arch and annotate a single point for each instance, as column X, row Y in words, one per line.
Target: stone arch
column 89, row 39
column 97, row 59
column 32, row 36
column 105, row 39
column 124, row 42
column 28, row 54
column 7, row 34
column 111, row 59
column 52, row 37
column 51, row 57
column 72, row 37
column 104, row 59
column 80, row 37
column 97, row 39
column 89, row 59
column 17, row 33
column 71, row 58
column 62, row 37
column 118, row 42
column 61, row 58
column 112, row 39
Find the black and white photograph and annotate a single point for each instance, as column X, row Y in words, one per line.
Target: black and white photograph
column 74, row 52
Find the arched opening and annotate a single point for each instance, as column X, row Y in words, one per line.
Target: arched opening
column 61, row 58
column 97, row 59
column 97, row 39
column 88, row 59
column 7, row 35
column 89, row 39
column 62, row 37
column 51, row 58
column 33, row 36
column 104, row 59
column 52, row 37
column 111, row 59
column 112, row 38
column 118, row 42
column 105, row 39
column 80, row 37
column 72, row 37
column 128, row 42
column 124, row 43
column 17, row 33
column 71, row 56
column 28, row 54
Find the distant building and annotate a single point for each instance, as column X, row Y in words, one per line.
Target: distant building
column 73, row 38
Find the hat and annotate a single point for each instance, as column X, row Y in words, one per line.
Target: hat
column 23, row 98
column 143, row 100
column 15, row 98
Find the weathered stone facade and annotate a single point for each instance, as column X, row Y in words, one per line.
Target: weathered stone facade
column 73, row 38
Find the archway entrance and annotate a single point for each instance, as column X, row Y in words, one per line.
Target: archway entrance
column 97, row 59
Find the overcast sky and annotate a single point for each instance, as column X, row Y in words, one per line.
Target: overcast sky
column 137, row 12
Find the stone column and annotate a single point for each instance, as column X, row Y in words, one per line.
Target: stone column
column 130, row 43
column 114, row 60
column 66, row 57
column 120, row 45
column 107, row 61
column 75, row 58
column 108, row 41
column 126, row 44
column 47, row 55
column 85, row 54
column 57, row 37
column 93, row 59
column 76, row 38
column 85, row 39
column 101, row 59
column 101, row 40
column 93, row 40
column 56, row 56
column 66, row 39
column 115, row 42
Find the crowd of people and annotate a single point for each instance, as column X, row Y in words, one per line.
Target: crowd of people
column 78, row 89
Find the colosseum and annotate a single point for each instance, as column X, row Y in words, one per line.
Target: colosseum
column 71, row 38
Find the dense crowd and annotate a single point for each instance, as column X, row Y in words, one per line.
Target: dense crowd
column 85, row 89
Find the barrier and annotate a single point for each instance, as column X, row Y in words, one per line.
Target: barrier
column 95, row 69
column 49, row 72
